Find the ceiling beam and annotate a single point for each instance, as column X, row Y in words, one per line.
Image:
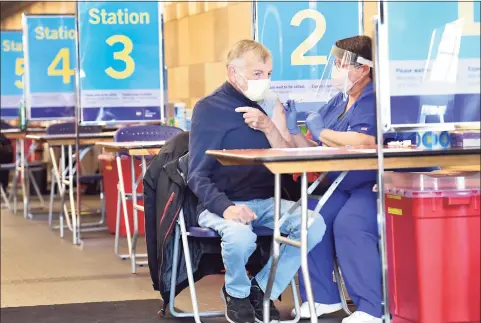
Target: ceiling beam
column 8, row 8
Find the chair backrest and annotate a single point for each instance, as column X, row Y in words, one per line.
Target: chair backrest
column 183, row 167
column 4, row 125
column 146, row 133
column 69, row 128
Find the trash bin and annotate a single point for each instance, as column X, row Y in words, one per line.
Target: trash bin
column 433, row 247
column 110, row 180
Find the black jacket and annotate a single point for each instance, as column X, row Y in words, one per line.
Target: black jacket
column 165, row 193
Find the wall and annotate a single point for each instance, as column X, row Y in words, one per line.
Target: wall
column 15, row 21
column 197, row 38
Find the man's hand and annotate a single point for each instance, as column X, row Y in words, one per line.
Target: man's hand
column 256, row 119
column 239, row 213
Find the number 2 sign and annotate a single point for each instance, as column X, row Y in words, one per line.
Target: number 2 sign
column 300, row 35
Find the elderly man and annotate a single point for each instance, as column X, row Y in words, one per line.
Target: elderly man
column 235, row 199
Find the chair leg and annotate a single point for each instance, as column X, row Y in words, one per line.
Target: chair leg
column 4, row 198
column 297, row 306
column 52, row 197
column 173, row 278
column 117, row 225
column 102, row 204
column 181, row 234
column 340, row 287
column 36, row 188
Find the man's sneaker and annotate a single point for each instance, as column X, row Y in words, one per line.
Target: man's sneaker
column 321, row 309
column 257, row 301
column 237, row 310
column 361, row 317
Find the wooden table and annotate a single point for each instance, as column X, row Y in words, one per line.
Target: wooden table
column 69, row 141
column 21, row 163
column 320, row 159
column 16, row 133
column 134, row 149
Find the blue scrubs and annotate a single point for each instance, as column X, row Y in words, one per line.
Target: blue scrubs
column 351, row 219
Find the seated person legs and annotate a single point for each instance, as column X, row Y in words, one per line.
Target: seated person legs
column 239, row 242
column 352, row 236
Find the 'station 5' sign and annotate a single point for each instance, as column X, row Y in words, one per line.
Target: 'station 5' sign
column 12, row 69
column 120, row 61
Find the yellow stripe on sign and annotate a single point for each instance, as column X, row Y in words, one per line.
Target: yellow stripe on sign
column 394, row 197
column 394, row 211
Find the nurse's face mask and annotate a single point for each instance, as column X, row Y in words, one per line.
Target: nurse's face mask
column 341, row 73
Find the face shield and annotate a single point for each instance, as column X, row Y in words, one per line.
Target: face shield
column 337, row 75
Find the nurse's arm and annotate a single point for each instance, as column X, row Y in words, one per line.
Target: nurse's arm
column 347, row 138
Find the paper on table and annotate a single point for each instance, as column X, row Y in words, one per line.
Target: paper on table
column 307, row 149
column 386, row 150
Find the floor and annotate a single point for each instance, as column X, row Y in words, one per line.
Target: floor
column 46, row 279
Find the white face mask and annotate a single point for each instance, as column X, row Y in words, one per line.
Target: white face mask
column 340, row 79
column 256, row 89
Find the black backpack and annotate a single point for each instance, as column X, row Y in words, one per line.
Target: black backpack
column 165, row 194
column 163, row 199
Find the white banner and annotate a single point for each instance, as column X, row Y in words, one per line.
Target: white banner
column 52, row 100
column 439, row 78
column 120, row 98
column 304, row 90
column 10, row 101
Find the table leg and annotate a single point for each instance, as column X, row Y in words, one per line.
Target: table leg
column 17, row 171
column 124, row 203
column 75, row 238
column 275, row 247
column 135, row 215
column 304, row 251
column 117, row 223
column 59, row 175
column 24, row 172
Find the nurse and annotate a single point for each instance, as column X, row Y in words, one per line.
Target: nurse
column 350, row 213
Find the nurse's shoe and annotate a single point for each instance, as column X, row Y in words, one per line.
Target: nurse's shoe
column 321, row 309
column 361, row 317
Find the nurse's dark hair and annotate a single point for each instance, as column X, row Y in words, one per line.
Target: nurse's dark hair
column 361, row 45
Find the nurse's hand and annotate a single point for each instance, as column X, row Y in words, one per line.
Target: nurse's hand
column 256, row 119
column 291, row 117
column 315, row 124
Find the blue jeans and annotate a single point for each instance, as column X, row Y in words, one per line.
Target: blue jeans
column 239, row 242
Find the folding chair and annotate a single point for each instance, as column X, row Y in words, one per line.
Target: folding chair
column 32, row 167
column 182, row 233
column 59, row 178
column 130, row 134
